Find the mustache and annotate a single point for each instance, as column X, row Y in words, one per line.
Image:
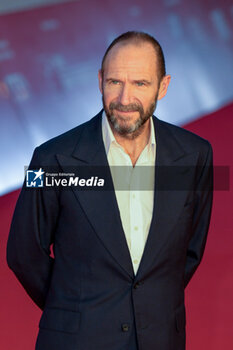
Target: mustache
column 132, row 107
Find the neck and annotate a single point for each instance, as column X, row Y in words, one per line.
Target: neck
column 134, row 143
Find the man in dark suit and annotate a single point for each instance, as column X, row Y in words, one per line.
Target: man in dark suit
column 122, row 259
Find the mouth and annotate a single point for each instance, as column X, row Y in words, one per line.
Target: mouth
column 125, row 112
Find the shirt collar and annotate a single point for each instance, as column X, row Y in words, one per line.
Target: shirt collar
column 109, row 138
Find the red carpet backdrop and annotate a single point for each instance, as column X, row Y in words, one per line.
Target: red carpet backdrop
column 50, row 52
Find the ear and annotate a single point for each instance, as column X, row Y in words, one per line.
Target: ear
column 163, row 86
column 100, row 77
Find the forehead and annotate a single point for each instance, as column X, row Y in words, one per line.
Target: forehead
column 137, row 58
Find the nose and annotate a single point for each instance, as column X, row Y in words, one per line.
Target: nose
column 125, row 95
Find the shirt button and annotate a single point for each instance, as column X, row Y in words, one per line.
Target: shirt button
column 135, row 261
column 125, row 327
column 135, row 228
column 133, row 196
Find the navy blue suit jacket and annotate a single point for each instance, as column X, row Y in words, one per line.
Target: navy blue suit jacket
column 89, row 294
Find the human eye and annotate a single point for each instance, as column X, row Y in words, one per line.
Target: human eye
column 140, row 83
column 111, row 81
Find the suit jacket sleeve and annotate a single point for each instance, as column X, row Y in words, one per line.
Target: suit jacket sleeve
column 30, row 238
column 201, row 217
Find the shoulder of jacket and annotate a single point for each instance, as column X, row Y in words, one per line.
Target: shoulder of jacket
column 188, row 140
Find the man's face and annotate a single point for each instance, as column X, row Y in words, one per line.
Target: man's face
column 129, row 86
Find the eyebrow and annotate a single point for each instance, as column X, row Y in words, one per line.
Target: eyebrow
column 135, row 81
column 112, row 79
column 142, row 81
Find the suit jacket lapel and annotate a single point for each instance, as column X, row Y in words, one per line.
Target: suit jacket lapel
column 100, row 206
column 173, row 161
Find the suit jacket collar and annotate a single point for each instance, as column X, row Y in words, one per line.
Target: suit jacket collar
column 90, row 146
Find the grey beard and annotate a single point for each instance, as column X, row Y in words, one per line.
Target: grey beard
column 126, row 130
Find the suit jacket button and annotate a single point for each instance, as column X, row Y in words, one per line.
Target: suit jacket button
column 125, row 327
column 137, row 284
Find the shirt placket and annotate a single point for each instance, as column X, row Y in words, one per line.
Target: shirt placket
column 136, row 225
